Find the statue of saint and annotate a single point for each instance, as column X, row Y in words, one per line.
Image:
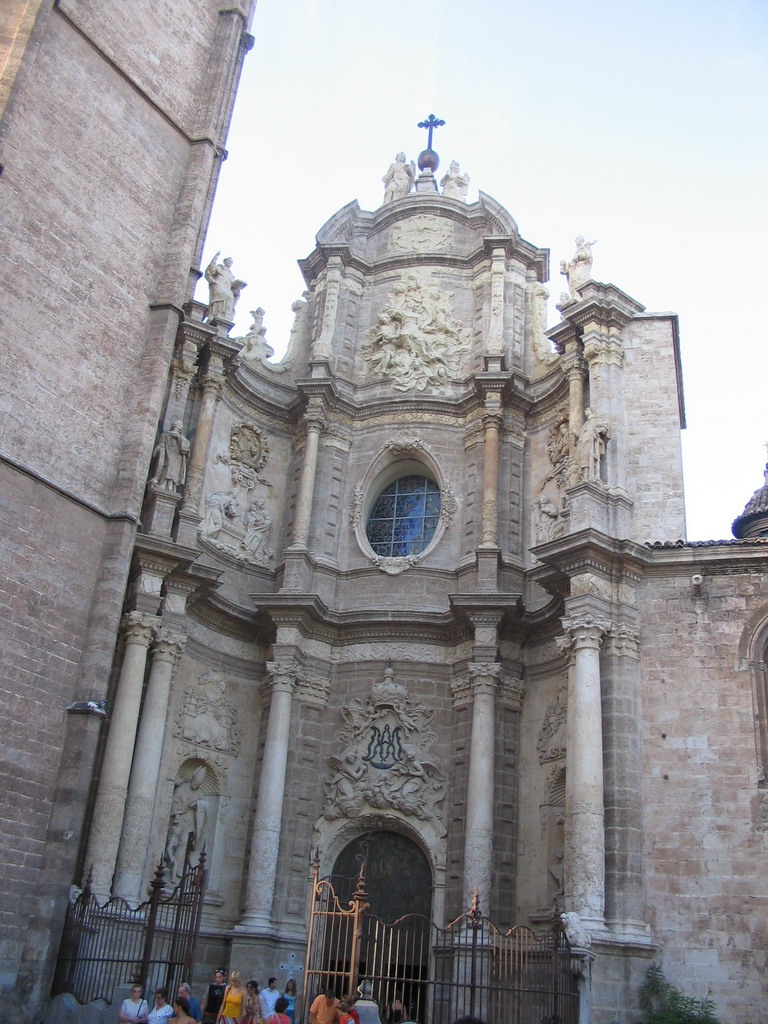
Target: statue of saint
column 219, row 505
column 579, row 269
column 172, row 455
column 590, row 446
column 455, row 184
column 399, row 179
column 223, row 289
column 189, row 813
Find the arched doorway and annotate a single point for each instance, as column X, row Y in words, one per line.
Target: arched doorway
column 398, row 876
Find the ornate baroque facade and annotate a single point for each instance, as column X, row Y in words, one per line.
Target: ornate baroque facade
column 423, row 576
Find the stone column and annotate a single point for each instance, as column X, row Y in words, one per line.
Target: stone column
column 478, row 839
column 109, row 808
column 211, row 384
column 139, row 807
column 584, row 806
column 492, row 426
column 265, row 840
column 315, row 421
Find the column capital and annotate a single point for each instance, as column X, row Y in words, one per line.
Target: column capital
column 623, row 640
column 484, row 678
column 574, row 367
column 603, row 351
column 493, row 416
column 314, row 418
column 583, row 630
column 139, row 627
column 169, row 645
column 283, row 676
column 212, row 380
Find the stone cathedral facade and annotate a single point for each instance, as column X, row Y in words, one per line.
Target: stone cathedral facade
column 421, row 584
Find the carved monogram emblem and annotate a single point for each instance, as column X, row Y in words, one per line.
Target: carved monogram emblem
column 386, row 737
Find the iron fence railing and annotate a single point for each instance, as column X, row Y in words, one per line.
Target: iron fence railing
column 439, row 974
column 105, row 945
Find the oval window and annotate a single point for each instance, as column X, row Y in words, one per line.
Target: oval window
column 404, row 517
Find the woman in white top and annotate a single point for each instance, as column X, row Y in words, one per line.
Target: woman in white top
column 162, row 1009
column 134, row 1009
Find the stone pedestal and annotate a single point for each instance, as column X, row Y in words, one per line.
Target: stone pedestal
column 159, row 512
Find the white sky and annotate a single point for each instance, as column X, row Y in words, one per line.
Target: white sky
column 640, row 123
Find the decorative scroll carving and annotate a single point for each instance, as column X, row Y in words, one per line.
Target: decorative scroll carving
column 404, row 443
column 386, row 739
column 394, row 566
column 416, row 342
column 551, row 742
column 542, row 346
column 422, row 234
column 206, row 717
column 355, row 511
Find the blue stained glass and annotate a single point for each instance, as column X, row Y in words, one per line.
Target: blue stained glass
column 404, row 517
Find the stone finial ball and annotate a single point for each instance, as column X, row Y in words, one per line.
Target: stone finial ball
column 428, row 160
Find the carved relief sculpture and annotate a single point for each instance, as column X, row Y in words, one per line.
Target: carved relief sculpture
column 551, row 741
column 559, row 453
column 223, row 289
column 219, row 506
column 455, row 185
column 171, row 455
column 416, row 342
column 206, row 717
column 385, row 763
column 422, row 234
column 399, row 179
column 548, row 522
column 258, row 524
column 255, row 345
column 248, row 450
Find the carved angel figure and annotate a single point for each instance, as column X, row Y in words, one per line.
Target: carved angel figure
column 398, row 181
column 455, row 184
column 345, row 789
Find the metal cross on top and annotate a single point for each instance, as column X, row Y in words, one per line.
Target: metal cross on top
column 431, row 123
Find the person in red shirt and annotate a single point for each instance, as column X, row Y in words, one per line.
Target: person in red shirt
column 352, row 999
column 279, row 1016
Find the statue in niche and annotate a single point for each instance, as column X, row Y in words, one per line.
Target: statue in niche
column 578, row 270
column 219, row 506
column 416, row 342
column 171, row 454
column 555, row 867
column 548, row 521
column 455, row 185
column 399, row 179
column 591, row 443
column 223, row 289
column 258, row 523
column 189, row 813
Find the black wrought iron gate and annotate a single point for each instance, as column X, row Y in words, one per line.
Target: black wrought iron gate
column 439, row 974
column 111, row 944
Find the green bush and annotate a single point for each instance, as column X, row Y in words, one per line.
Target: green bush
column 663, row 1004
